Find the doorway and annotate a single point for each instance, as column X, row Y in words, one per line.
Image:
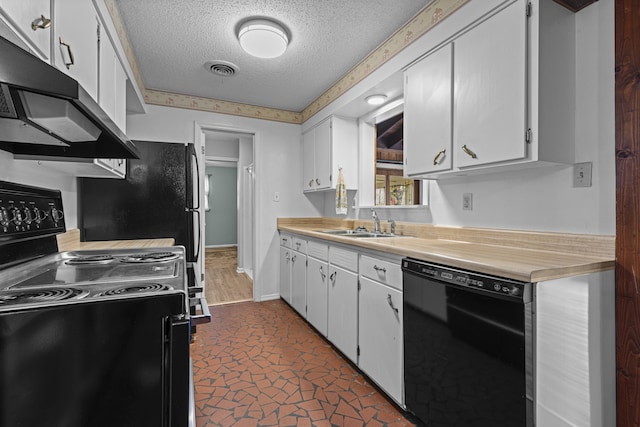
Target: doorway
column 228, row 202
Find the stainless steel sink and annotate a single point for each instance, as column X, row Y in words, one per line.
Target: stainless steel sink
column 354, row 233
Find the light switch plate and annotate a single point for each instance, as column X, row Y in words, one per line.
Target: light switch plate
column 582, row 174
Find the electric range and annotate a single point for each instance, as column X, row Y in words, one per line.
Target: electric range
column 96, row 337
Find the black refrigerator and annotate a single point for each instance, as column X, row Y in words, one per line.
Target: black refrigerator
column 159, row 198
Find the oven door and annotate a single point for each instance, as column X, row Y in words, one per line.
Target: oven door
column 104, row 363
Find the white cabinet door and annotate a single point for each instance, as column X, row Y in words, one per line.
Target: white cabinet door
column 343, row 311
column 120, row 90
column 299, row 282
column 428, row 114
column 380, row 337
column 23, row 14
column 323, row 155
column 331, row 145
column 107, row 76
column 308, row 161
column 317, row 277
column 490, row 90
column 76, row 34
column 285, row 274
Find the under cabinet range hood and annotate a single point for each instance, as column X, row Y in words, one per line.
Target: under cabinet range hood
column 44, row 112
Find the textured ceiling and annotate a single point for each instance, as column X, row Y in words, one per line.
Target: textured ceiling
column 172, row 40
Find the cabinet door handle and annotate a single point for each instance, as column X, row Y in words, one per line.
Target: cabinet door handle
column 390, row 302
column 293, row 258
column 317, row 181
column 379, row 269
column 41, row 23
column 68, row 58
column 469, row 152
column 333, row 277
column 322, row 274
column 436, row 159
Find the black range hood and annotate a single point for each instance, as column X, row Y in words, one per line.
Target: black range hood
column 44, row 112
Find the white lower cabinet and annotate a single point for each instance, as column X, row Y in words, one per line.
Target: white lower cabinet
column 380, row 338
column 343, row 301
column 352, row 298
column 343, row 311
column 317, row 273
column 285, row 274
column 299, row 282
column 317, row 279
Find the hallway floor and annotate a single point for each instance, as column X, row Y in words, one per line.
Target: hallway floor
column 223, row 284
column 260, row 364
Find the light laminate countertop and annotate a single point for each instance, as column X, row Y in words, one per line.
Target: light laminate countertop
column 529, row 262
column 70, row 241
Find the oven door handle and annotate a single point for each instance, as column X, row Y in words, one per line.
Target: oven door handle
column 177, row 379
column 205, row 317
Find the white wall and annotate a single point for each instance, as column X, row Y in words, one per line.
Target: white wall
column 29, row 172
column 277, row 150
column 545, row 199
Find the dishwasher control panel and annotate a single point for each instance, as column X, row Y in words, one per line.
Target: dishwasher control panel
column 472, row 280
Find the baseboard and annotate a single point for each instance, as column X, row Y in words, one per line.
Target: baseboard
column 269, row 297
column 248, row 272
column 220, row 246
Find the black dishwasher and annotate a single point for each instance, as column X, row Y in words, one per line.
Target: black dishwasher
column 468, row 347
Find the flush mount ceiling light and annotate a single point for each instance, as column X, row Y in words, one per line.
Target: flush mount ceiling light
column 263, row 38
column 376, row 99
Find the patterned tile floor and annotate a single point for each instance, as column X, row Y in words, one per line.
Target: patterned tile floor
column 260, row 364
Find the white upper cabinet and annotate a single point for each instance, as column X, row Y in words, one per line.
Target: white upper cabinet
column 112, row 87
column 327, row 147
column 427, row 114
column 513, row 95
column 490, row 90
column 75, row 50
column 27, row 18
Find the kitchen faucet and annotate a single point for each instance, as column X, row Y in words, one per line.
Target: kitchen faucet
column 376, row 221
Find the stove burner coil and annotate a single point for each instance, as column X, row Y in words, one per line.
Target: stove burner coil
column 139, row 288
column 150, row 257
column 39, row 295
column 90, row 259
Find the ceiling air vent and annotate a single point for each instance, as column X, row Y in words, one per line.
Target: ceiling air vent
column 222, row 68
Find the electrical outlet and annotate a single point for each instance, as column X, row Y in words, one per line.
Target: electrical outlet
column 582, row 174
column 467, row 201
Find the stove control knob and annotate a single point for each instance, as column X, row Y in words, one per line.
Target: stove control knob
column 17, row 216
column 37, row 216
column 28, row 216
column 56, row 215
column 4, row 218
column 515, row 291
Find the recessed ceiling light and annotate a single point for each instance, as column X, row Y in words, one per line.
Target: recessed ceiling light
column 263, row 38
column 376, row 99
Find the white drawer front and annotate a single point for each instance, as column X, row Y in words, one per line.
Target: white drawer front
column 318, row 250
column 285, row 240
column 343, row 258
column 382, row 271
column 299, row 245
